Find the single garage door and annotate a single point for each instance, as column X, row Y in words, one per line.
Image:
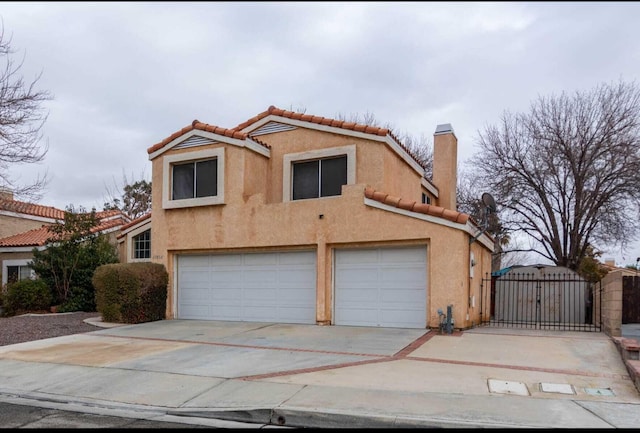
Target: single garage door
column 256, row 287
column 381, row 287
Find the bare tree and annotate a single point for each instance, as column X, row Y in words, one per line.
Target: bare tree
column 132, row 197
column 567, row 172
column 21, row 120
column 469, row 200
column 420, row 147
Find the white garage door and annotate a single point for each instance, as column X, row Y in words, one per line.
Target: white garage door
column 381, row 287
column 256, row 287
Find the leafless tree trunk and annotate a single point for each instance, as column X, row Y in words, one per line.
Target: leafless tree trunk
column 567, row 173
column 21, row 120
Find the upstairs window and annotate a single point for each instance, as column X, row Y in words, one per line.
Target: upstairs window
column 426, row 199
column 319, row 178
column 195, row 179
column 142, row 245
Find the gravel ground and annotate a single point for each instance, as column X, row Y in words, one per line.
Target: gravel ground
column 19, row 329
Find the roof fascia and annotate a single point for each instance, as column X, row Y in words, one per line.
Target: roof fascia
column 248, row 143
column 468, row 228
column 342, row 131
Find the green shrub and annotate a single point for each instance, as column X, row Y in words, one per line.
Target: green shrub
column 26, row 295
column 131, row 292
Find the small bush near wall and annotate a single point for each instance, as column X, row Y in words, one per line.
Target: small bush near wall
column 131, row 292
column 26, row 295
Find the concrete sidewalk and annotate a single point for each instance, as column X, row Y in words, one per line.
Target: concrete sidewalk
column 314, row 376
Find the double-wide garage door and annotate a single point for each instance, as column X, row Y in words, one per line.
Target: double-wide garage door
column 384, row 287
column 255, row 287
column 381, row 287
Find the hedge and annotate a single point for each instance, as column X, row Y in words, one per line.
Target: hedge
column 131, row 292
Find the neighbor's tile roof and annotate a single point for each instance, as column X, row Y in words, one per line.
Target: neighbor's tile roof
column 133, row 223
column 414, row 206
column 32, row 238
column 31, row 209
column 232, row 133
column 272, row 110
column 38, row 237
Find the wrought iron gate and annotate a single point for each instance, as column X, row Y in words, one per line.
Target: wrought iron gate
column 554, row 302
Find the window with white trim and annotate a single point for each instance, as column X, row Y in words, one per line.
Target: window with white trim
column 16, row 270
column 319, row 178
column 318, row 173
column 142, row 245
column 18, row 273
column 193, row 179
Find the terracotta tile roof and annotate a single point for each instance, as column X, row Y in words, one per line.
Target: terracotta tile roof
column 133, row 223
column 272, row 110
column 38, row 237
column 31, row 209
column 232, row 133
column 414, row 206
column 367, row 129
column 32, row 238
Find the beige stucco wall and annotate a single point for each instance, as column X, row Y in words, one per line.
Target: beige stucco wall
column 254, row 218
column 10, row 225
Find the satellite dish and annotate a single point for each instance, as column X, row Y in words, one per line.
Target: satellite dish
column 489, row 202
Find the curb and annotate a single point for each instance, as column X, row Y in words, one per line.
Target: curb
column 283, row 417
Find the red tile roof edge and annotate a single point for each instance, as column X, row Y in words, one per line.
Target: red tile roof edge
column 367, row 129
column 31, row 209
column 135, row 221
column 39, row 236
column 414, row 206
column 196, row 124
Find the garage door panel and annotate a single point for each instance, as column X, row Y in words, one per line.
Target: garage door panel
column 248, row 287
column 229, row 294
column 194, row 261
column 381, row 287
column 260, row 259
column 222, row 260
column 359, row 256
column 404, row 297
column 298, row 258
column 196, row 310
column 401, row 255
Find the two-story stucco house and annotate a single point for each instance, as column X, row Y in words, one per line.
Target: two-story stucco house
column 295, row 218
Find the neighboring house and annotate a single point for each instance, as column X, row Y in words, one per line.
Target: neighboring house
column 295, row 218
column 24, row 226
column 134, row 240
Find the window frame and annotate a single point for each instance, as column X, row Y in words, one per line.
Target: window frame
column 135, row 242
column 291, row 158
column 17, row 262
column 192, row 157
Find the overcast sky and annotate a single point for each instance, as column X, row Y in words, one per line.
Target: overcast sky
column 126, row 75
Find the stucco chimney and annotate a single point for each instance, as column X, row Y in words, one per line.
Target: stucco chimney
column 6, row 194
column 445, row 165
column 610, row 262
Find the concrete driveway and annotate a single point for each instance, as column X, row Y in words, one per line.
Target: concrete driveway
column 251, row 371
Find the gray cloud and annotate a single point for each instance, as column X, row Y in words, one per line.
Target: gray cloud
column 127, row 75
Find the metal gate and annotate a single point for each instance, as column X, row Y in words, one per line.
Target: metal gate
column 630, row 300
column 554, row 302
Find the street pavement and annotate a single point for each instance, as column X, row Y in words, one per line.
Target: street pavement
column 207, row 373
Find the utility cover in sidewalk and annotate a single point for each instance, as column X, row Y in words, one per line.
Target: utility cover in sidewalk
column 599, row 391
column 507, row 387
column 560, row 388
